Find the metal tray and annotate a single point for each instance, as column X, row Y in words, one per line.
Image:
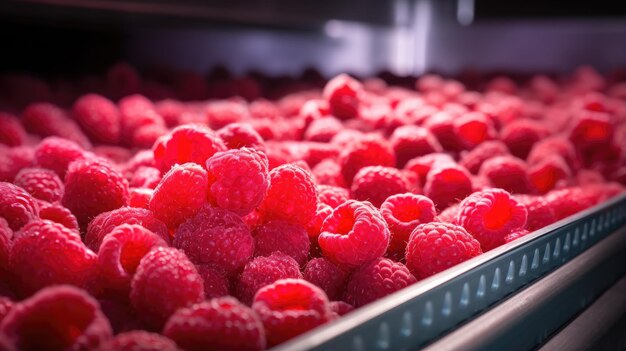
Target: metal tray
column 419, row 314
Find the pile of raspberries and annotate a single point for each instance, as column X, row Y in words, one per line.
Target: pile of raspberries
column 136, row 214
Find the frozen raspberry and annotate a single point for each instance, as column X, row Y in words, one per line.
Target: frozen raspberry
column 290, row 307
column 434, row 247
column 46, row 253
column 441, row 125
column 554, row 145
column 367, row 151
column 262, row 271
column 404, row 212
column 188, row 143
column 327, row 276
column 123, row 79
column 515, row 235
column 547, row 173
column 447, row 184
column 11, row 131
column 13, row 159
column 238, row 179
column 120, row 253
column 288, row 238
column 215, row 281
column 139, row 340
column 377, row 183
column 57, row 318
column 449, row 214
column 222, row 113
column 520, row 136
column 332, row 196
column 411, row 141
column 353, row 234
column 41, row 183
column 421, row 165
column 472, row 129
column 315, row 226
column 48, row 120
column 328, row 172
column 105, row 222
column 180, row 194
column 342, row 94
column 215, row 236
column 341, row 308
column 218, row 324
column 56, row 154
column 238, row 135
column 93, row 186
column 17, row 206
column 6, row 305
column 472, row 160
column 568, row 201
column 490, row 215
column 55, row 212
column 140, row 197
column 291, row 195
column 145, row 177
column 165, row 281
column 99, row 118
column 376, row 279
column 506, row 172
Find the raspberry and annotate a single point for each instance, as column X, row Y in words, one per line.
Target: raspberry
column 449, row 214
column 376, row 183
column 342, row 94
column 5, row 250
column 56, row 154
column 332, row 196
column 238, row 179
column 315, row 226
column 472, row 160
column 288, row 238
column 11, row 131
column 506, row 172
column 41, row 183
column 447, row 184
column 472, row 129
column 145, row 177
column 515, row 235
column 93, row 186
column 222, row 113
column 13, row 159
column 140, row 197
column 215, row 236
column 420, row 166
column 591, row 130
column 328, row 172
column 375, row 280
column 120, row 314
column 180, row 194
column 120, row 253
column 323, row 129
column 441, row 125
column 353, row 234
column 218, row 324
column 145, row 136
column 122, row 79
column 490, row 215
column 137, row 112
column 238, row 135
column 341, row 308
column 367, row 151
column 139, row 340
column 547, row 173
column 568, row 201
column 165, row 281
column 188, row 143
column 114, row 154
column 554, row 145
column 404, row 212
column 6, row 305
column 17, row 206
column 99, row 118
column 411, row 141
column 262, row 271
column 215, row 282
column 520, row 136
column 327, row 276
column 290, row 307
column 291, row 195
column 434, row 247
column 105, row 222
column 143, row 158
column 48, row 120
column 55, row 212
column 57, row 318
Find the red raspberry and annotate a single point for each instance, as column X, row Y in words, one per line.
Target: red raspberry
column 48, row 120
column 315, row 226
column 218, row 324
column 41, row 183
column 120, row 314
column 238, row 179
column 105, row 222
column 366, row 151
column 547, row 173
column 472, row 129
column 554, row 145
column 57, row 318
column 490, row 215
column 520, row 136
column 112, row 153
column 291, row 195
column 506, row 172
column 46, row 253
column 515, row 235
column 215, row 236
column 224, row 112
column 11, row 131
column 145, row 177
column 341, row 308
column 93, row 186
column 123, row 79
column 137, row 112
column 353, row 234
column 420, row 166
column 140, row 197
column 6, row 305
column 165, row 281
column 238, row 135
column 568, row 201
column 441, row 125
column 377, row 183
column 327, row 276
column 180, row 194
column 55, row 212
column 143, row 158
column 411, row 141
column 215, row 282
column 449, row 214
column 56, row 154
column 5, row 250
column 288, row 238
column 375, row 280
column 188, row 143
column 591, row 130
column 99, row 118
column 262, row 271
column 472, row 160
column 447, row 184
column 139, row 340
column 323, row 129
column 145, row 136
column 264, row 109
column 120, row 253
column 318, row 152
column 332, row 196
column 328, row 172
column 404, row 212
column 290, row 307
column 434, row 247
column 17, row 206
column 13, row 159
column 342, row 94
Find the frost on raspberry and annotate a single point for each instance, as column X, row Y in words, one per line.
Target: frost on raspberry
column 377, row 183
column 17, row 206
column 366, row 151
column 262, row 271
column 99, row 118
column 41, row 183
column 288, row 238
column 342, row 94
column 218, row 324
column 187, row 143
column 139, row 340
column 447, row 184
column 327, row 276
